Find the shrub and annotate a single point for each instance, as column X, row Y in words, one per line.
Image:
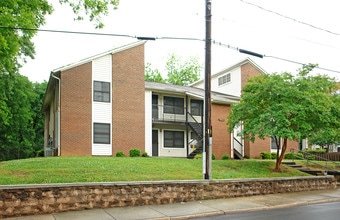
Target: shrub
column 273, row 155
column 297, row 156
column 265, row 155
column 320, row 151
column 120, row 154
column 225, row 157
column 309, row 157
column 145, row 154
column 134, row 152
column 198, row 156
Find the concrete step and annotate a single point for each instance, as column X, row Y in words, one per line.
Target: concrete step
column 314, row 172
column 296, row 166
column 289, row 163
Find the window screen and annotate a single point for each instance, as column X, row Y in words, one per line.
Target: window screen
column 174, row 139
column 101, row 91
column 101, row 133
column 173, row 105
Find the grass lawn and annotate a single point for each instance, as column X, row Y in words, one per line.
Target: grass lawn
column 114, row 169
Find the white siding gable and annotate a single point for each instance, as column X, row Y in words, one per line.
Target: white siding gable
column 231, row 88
column 102, row 111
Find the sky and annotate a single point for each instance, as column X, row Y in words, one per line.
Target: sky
column 304, row 31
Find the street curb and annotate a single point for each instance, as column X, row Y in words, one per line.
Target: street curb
column 262, row 208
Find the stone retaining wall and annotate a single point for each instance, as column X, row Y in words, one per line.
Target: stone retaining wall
column 20, row 200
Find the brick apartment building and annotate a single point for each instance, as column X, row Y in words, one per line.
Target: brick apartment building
column 102, row 105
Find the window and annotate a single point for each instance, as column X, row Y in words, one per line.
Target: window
column 224, row 79
column 196, row 107
column 101, row 91
column 173, row 105
column 174, row 139
column 273, row 145
column 101, row 133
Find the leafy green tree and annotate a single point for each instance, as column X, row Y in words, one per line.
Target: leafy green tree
column 182, row 73
column 20, row 19
column 15, row 42
column 327, row 136
column 178, row 72
column 285, row 106
column 17, row 134
column 153, row 75
column 38, row 117
column 93, row 9
column 22, row 127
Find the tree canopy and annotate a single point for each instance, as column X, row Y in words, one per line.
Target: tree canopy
column 20, row 20
column 178, row 72
column 21, row 120
column 286, row 106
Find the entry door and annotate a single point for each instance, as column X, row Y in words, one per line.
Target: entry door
column 155, row 143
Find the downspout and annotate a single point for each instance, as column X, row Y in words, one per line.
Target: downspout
column 186, row 123
column 58, row 114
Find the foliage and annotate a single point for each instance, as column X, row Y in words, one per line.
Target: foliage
column 268, row 155
column 320, row 151
column 325, row 137
column 273, row 155
column 225, row 157
column 120, row 154
column 153, row 75
column 178, row 72
column 182, row 73
column 93, row 9
column 295, row 156
column 198, row 156
column 145, row 154
column 265, row 155
column 15, row 42
column 21, row 19
column 286, row 106
column 135, row 152
column 100, row 169
column 309, row 157
column 38, row 117
column 21, row 120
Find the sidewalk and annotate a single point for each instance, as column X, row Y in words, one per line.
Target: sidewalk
column 197, row 208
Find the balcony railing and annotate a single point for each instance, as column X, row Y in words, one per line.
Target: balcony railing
column 172, row 114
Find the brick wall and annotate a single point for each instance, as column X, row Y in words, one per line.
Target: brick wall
column 128, row 126
column 76, row 111
column 221, row 138
column 259, row 145
column 248, row 71
column 23, row 200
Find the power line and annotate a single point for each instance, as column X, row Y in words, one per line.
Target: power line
column 269, row 56
column 166, row 38
column 290, row 18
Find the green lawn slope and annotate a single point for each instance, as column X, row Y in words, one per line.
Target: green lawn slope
column 115, row 169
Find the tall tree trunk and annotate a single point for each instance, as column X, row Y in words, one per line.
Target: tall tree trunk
column 279, row 159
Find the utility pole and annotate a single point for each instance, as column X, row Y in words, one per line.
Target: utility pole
column 207, row 99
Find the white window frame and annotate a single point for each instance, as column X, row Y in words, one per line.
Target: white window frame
column 224, row 79
column 181, row 147
column 106, row 133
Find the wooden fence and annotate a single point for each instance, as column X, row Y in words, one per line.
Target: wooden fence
column 335, row 156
